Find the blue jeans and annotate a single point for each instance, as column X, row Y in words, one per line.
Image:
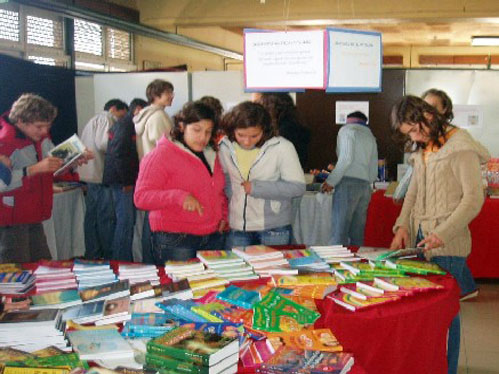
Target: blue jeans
column 457, row 267
column 350, row 202
column 125, row 220
column 99, row 222
column 147, row 241
column 277, row 236
column 180, row 247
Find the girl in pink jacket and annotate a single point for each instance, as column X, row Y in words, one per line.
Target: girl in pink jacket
column 181, row 184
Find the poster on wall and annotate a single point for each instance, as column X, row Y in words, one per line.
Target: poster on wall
column 468, row 116
column 280, row 61
column 355, row 60
column 344, row 108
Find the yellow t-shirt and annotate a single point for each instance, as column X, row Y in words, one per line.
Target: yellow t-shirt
column 245, row 158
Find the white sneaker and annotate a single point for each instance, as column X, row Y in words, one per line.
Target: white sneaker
column 470, row 295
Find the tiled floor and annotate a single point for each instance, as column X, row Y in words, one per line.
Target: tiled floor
column 480, row 332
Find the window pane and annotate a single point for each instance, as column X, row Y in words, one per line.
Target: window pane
column 44, row 31
column 9, row 25
column 118, row 44
column 88, row 37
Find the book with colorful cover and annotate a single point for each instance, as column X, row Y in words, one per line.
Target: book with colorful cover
column 236, row 315
column 166, row 365
column 206, row 311
column 63, row 360
column 187, row 344
column 239, row 296
column 227, row 329
column 257, row 353
column 288, row 360
column 418, row 267
column 353, row 303
column 415, row 284
column 218, row 257
column 303, row 280
column 257, row 252
column 48, row 352
column 10, row 268
column 57, row 297
column 181, row 309
column 11, row 354
column 207, row 283
column 317, row 340
column 110, row 290
column 318, row 291
column 302, row 257
column 344, row 276
column 35, row 370
column 172, row 288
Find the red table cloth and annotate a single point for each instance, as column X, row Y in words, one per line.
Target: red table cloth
column 405, row 336
column 484, row 258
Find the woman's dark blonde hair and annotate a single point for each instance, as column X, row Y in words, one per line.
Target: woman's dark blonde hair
column 190, row 113
column 444, row 99
column 411, row 110
column 30, row 108
column 245, row 115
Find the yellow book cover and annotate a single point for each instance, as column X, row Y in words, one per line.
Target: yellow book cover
column 317, row 291
column 316, row 340
column 303, row 280
column 21, row 370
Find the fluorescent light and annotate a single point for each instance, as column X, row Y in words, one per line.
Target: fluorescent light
column 485, row 40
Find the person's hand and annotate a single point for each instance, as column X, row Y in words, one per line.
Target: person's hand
column 222, row 226
column 191, row 204
column 247, row 187
column 86, row 156
column 430, row 242
column 401, row 239
column 47, row 165
column 326, row 188
column 6, row 161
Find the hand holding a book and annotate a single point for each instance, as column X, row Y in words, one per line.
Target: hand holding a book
column 430, row 242
column 86, row 156
column 192, row 204
column 48, row 165
column 401, row 239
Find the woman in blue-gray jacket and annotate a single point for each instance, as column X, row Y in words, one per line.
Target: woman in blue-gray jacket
column 263, row 174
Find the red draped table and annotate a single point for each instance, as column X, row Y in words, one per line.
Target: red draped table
column 484, row 258
column 406, row 336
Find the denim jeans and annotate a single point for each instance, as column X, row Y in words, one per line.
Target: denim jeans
column 457, row 267
column 350, row 202
column 99, row 222
column 125, row 220
column 277, row 236
column 180, row 247
column 147, row 241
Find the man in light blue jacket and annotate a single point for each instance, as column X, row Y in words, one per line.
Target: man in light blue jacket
column 351, row 179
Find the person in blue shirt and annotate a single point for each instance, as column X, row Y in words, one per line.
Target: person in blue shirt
column 351, row 179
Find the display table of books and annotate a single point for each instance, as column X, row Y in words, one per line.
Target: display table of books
column 253, row 310
column 484, row 258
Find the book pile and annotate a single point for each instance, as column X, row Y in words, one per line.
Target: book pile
column 51, row 278
column 30, row 330
column 100, row 344
column 193, row 351
column 264, row 260
column 55, row 300
column 138, row 273
column 304, row 258
column 180, row 289
column 177, row 270
column 334, row 253
column 147, row 325
column 16, row 282
column 289, row 360
column 351, row 272
column 106, row 291
column 93, row 273
column 382, row 290
column 227, row 265
column 239, row 297
column 415, row 266
column 100, row 312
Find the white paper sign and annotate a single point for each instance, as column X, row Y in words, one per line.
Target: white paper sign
column 281, row 60
column 355, row 61
column 344, row 108
column 467, row 116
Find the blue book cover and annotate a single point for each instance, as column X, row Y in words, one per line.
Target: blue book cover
column 181, row 309
column 238, row 296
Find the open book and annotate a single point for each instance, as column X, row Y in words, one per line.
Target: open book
column 69, row 151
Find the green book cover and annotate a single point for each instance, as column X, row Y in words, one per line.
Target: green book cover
column 164, row 362
column 413, row 266
column 193, row 345
column 67, row 360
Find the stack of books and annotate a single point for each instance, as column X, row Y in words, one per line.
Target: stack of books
column 12, row 303
column 105, row 292
column 17, row 282
column 30, row 330
column 100, row 344
column 180, row 290
column 147, row 325
column 102, row 312
column 304, row 258
column 227, row 265
column 55, row 300
column 334, row 253
column 264, row 260
column 50, row 278
column 187, row 350
column 138, row 273
column 182, row 269
column 93, row 273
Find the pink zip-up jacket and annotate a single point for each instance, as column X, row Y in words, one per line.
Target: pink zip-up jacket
column 167, row 175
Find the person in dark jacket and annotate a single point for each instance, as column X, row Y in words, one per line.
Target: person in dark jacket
column 282, row 110
column 121, row 168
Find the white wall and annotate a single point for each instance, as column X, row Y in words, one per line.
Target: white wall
column 85, row 106
column 466, row 87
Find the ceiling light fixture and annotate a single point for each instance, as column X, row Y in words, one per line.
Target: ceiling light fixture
column 485, row 41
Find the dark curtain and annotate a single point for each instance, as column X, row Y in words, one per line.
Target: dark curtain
column 53, row 83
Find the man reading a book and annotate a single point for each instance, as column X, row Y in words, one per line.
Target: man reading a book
column 27, row 200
